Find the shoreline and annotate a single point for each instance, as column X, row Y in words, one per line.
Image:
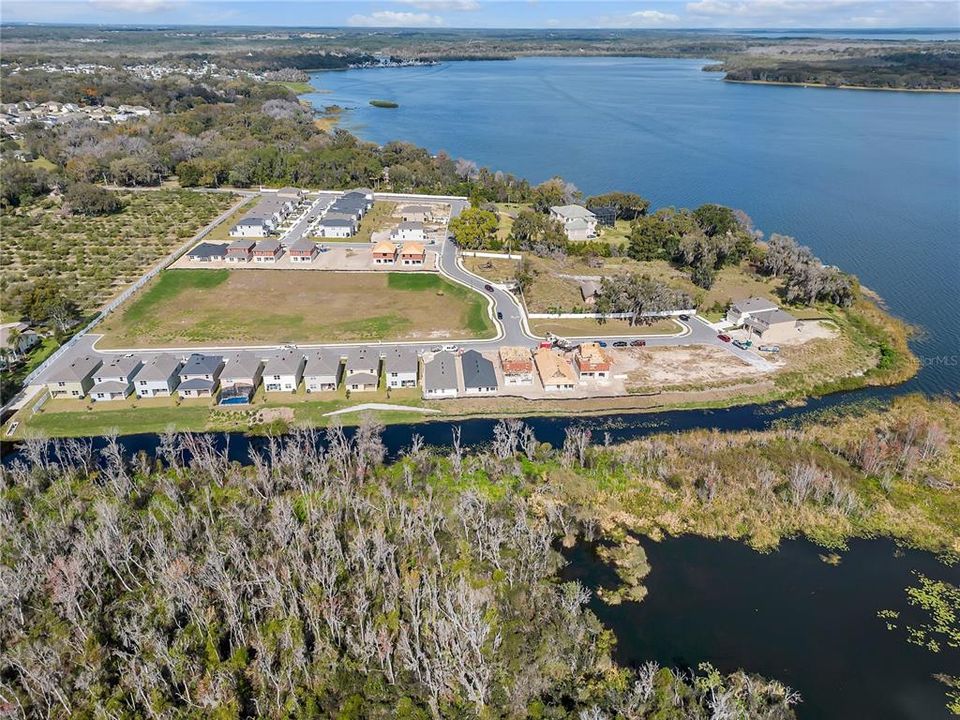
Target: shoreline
column 821, row 86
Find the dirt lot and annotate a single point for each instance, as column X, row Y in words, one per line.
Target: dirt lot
column 224, row 307
column 333, row 258
column 683, row 367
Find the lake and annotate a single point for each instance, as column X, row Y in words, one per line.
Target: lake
column 786, row 615
column 869, row 180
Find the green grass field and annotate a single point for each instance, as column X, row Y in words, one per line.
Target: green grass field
column 249, row 307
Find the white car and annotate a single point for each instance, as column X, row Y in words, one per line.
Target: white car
column 450, row 348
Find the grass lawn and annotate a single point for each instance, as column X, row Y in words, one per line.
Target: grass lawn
column 221, row 232
column 239, row 307
column 587, row 327
column 94, row 258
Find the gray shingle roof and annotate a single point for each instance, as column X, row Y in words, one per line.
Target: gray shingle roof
column 322, row 364
column 207, row 250
column 410, row 225
column 122, row 366
column 159, row 367
column 573, row 211
column 336, row 222
column 362, row 359
column 400, row 360
column 478, row 372
column 441, row 372
column 196, row 384
column 267, row 246
column 754, row 304
column 251, row 221
column 242, row 244
column 198, row 364
column 303, row 244
column 79, row 369
column 109, row 387
column 239, row 366
column 287, row 362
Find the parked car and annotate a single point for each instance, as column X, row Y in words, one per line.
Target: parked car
column 601, row 343
column 638, row 343
column 436, row 349
column 723, row 338
column 684, row 317
column 769, row 348
column 620, row 343
column 742, row 344
column 546, row 344
column 450, row 348
column 488, row 288
column 499, row 315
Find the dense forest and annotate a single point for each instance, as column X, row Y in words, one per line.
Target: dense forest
column 322, row 580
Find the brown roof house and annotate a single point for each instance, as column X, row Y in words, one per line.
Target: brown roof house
column 517, row 365
column 592, row 363
column 384, row 253
column 555, row 372
column 412, row 253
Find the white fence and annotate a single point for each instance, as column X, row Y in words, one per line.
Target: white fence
column 607, row 316
column 500, row 256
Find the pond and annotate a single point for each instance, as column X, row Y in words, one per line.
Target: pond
column 786, row 615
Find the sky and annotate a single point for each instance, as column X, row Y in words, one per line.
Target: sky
column 780, row 14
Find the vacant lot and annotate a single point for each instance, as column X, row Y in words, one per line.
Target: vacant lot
column 690, row 367
column 95, row 258
column 241, row 307
column 586, row 327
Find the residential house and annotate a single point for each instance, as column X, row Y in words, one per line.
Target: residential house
column 335, row 228
column 412, row 254
column 440, row 376
column 158, row 377
column 240, row 251
column 516, row 363
column 362, row 370
column 240, row 377
column 416, row 213
column 589, row 289
column 578, row 222
column 303, row 251
column 764, row 319
column 251, row 226
column 479, row 374
column 555, row 372
column 362, row 196
column 74, row 379
column 18, row 338
column 114, row 379
column 284, row 371
column 208, row 252
column 408, row 232
column 401, row 367
column 267, row 251
column 384, row 253
column 200, row 376
column 322, row 371
column 592, row 363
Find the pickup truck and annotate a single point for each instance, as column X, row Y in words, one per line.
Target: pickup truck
column 769, row 348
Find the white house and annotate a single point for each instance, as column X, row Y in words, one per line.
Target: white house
column 335, row 228
column 251, row 227
column 17, row 338
column 479, row 375
column 765, row 319
column 158, row 377
column 322, row 372
column 578, row 222
column 440, row 376
column 200, row 376
column 283, row 371
column 362, row 370
column 408, row 232
column 401, row 367
column 114, row 380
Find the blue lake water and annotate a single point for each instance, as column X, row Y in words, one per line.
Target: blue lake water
column 870, row 180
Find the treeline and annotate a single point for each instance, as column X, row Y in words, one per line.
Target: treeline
column 316, row 582
column 901, row 70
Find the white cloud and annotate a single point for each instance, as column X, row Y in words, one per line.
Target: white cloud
column 390, row 18
column 143, row 6
column 824, row 13
column 443, row 5
column 639, row 19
